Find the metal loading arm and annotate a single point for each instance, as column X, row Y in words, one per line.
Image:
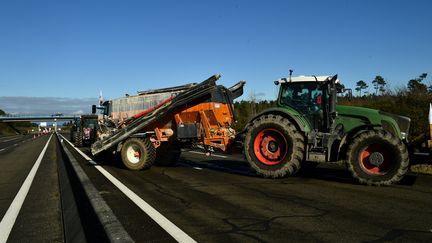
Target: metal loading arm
column 237, row 90
column 195, row 93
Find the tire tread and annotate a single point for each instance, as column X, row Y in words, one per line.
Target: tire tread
column 291, row 167
column 388, row 137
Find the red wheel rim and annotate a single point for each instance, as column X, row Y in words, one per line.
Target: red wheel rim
column 374, row 159
column 270, row 146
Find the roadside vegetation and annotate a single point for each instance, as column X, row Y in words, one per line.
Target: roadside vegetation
column 412, row 100
column 14, row 128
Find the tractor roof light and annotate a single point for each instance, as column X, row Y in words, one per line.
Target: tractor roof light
column 305, row 79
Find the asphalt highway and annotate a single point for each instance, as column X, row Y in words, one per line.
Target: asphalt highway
column 13, row 141
column 211, row 199
column 34, row 216
column 217, row 199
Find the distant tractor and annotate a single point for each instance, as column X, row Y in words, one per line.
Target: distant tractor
column 307, row 125
column 84, row 130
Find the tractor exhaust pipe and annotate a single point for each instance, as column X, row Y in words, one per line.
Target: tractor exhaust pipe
column 430, row 127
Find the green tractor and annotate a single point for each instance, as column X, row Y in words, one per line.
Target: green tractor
column 307, row 125
column 84, row 130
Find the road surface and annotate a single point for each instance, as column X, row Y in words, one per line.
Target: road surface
column 39, row 217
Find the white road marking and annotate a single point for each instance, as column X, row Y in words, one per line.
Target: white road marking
column 92, row 162
column 422, row 154
column 2, row 149
column 7, row 140
column 213, row 155
column 161, row 220
column 9, row 218
column 197, row 168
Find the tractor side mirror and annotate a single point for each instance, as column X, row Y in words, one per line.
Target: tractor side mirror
column 93, row 109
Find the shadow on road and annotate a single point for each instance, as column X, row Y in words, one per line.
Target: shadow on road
column 333, row 172
column 328, row 172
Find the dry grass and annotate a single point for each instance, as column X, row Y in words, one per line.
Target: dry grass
column 422, row 168
column 6, row 130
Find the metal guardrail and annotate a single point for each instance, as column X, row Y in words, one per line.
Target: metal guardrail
column 37, row 118
column 112, row 227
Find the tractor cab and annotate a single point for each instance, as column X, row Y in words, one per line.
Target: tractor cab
column 312, row 97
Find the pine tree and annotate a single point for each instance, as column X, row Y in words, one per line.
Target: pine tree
column 379, row 84
column 360, row 86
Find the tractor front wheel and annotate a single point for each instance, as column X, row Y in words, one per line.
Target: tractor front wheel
column 138, row 154
column 377, row 158
column 273, row 146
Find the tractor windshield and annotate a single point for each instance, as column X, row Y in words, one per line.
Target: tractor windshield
column 307, row 98
column 91, row 123
column 304, row 97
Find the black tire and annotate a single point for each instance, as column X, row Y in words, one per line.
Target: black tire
column 138, row 154
column 273, row 146
column 78, row 141
column 167, row 154
column 377, row 158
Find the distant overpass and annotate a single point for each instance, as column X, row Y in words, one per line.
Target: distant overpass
column 37, row 118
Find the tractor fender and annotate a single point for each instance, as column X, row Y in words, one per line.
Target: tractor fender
column 344, row 143
column 296, row 118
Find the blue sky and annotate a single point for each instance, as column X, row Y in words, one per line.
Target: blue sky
column 73, row 49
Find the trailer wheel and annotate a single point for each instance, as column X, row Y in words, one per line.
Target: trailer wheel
column 377, row 158
column 138, row 154
column 273, row 146
column 167, row 154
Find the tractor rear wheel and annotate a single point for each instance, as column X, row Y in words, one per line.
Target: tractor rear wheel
column 167, row 154
column 138, row 154
column 377, row 158
column 273, row 146
column 78, row 140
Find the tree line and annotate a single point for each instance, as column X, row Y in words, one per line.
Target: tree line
column 381, row 86
column 247, row 109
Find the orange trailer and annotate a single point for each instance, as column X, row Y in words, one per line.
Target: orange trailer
column 199, row 117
